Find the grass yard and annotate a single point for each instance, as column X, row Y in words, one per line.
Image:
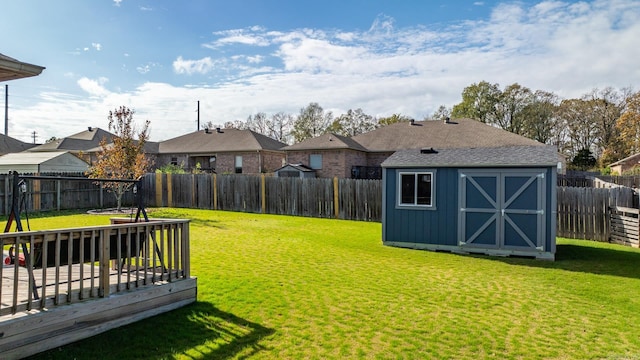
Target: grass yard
column 278, row 287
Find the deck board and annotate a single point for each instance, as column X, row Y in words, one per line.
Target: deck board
column 127, row 281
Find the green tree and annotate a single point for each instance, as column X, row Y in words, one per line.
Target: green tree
column 581, row 131
column 628, row 126
column 352, row 123
column 540, row 121
column 441, row 113
column 584, row 160
column 395, row 118
column 508, row 113
column 312, row 121
column 478, row 102
column 123, row 157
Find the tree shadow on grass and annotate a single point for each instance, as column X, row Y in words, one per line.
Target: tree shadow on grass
column 196, row 331
column 623, row 262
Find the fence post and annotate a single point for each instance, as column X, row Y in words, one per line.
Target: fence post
column 336, row 197
column 159, row 190
column 215, row 192
column 194, row 197
column 169, row 193
column 59, row 197
column 36, row 194
column 263, row 194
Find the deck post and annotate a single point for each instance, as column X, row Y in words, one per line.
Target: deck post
column 103, row 285
column 185, row 251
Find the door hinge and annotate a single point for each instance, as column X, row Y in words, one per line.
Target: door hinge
column 540, row 248
column 541, row 175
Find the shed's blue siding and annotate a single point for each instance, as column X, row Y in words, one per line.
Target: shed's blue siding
column 439, row 226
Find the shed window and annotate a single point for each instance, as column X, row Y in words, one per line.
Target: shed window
column 315, row 161
column 415, row 189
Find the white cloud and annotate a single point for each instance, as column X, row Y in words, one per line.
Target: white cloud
column 566, row 48
column 94, row 87
column 190, row 67
column 117, row 2
column 143, row 69
column 252, row 36
column 96, row 46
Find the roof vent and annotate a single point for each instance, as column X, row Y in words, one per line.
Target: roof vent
column 446, row 120
column 206, row 131
column 428, row 151
column 90, row 128
column 218, row 130
column 412, row 122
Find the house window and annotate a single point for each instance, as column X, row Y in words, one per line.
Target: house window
column 315, row 161
column 238, row 164
column 415, row 189
column 174, row 161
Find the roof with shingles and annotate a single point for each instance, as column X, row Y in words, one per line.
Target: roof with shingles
column 545, row 155
column 227, row 140
column 10, row 145
column 457, row 133
column 82, row 141
column 327, row 142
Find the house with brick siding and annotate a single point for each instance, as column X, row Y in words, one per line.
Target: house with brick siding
column 349, row 157
column 223, row 151
column 330, row 155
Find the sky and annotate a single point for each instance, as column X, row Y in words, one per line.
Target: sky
column 241, row 57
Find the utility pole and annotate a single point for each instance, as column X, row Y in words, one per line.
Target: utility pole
column 6, row 110
column 198, row 129
column 34, row 134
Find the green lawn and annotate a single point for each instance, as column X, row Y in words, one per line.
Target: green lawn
column 277, row 287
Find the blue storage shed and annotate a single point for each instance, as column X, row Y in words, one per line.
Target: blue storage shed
column 490, row 200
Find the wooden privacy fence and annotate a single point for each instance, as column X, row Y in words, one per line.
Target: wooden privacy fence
column 59, row 194
column 348, row 199
column 584, row 213
column 624, row 226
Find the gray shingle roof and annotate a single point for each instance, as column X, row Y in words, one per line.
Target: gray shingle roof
column 82, row 141
column 546, row 155
column 327, row 141
column 11, row 145
column 227, row 140
column 458, row 133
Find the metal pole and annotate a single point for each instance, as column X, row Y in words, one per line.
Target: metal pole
column 198, row 129
column 6, row 110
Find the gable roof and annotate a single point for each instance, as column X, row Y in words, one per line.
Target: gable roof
column 632, row 159
column 327, row 142
column 11, row 69
column 82, row 141
column 546, row 155
column 10, row 145
column 458, row 133
column 226, row 140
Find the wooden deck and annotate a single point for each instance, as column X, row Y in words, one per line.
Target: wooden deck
column 80, row 282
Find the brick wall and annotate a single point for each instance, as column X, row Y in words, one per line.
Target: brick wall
column 335, row 163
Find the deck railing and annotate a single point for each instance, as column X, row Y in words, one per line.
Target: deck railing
column 64, row 266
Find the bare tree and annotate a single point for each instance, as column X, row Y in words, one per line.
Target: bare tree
column 121, row 157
